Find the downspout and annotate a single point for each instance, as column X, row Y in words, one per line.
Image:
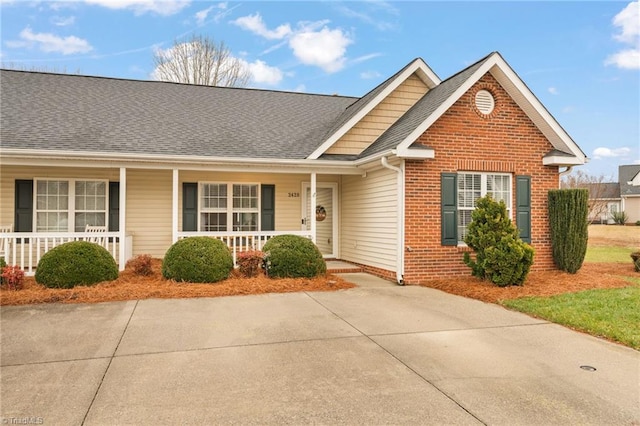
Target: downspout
column 565, row 172
column 400, row 221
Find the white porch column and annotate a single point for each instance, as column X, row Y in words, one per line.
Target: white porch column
column 312, row 207
column 122, row 252
column 174, row 203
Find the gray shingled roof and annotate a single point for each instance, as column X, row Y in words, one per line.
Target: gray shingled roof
column 604, row 190
column 626, row 174
column 422, row 109
column 77, row 113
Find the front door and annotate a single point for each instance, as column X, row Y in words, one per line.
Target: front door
column 326, row 214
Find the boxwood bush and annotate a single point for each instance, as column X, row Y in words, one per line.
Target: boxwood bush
column 76, row 263
column 501, row 256
column 293, row 256
column 197, row 260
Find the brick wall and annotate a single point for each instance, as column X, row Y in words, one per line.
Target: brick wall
column 466, row 140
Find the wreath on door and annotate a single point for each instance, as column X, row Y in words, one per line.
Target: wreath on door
column 321, row 213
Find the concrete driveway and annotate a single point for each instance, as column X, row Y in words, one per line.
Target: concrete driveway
column 376, row 354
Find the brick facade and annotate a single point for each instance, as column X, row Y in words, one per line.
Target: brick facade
column 464, row 139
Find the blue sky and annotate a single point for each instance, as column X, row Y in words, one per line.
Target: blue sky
column 581, row 59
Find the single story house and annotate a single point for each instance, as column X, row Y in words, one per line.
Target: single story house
column 604, row 202
column 613, row 197
column 386, row 181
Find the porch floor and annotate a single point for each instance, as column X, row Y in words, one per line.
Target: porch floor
column 341, row 267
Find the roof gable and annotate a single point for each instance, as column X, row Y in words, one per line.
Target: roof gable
column 629, row 177
column 434, row 105
column 367, row 103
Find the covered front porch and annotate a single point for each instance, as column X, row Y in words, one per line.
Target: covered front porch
column 155, row 207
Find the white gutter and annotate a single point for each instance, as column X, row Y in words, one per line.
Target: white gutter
column 400, row 246
column 43, row 158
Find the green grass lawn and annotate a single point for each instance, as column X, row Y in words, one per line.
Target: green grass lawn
column 612, row 313
column 608, row 254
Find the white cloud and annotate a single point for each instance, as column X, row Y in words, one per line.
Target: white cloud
column 553, row 90
column 603, row 152
column 63, row 22
column 312, row 42
column 161, row 7
column 256, row 25
column 202, row 15
column 325, row 48
column 627, row 59
column 300, row 88
column 263, row 73
column 367, row 75
column 48, row 42
column 628, row 22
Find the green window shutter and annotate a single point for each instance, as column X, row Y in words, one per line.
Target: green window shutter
column 523, row 207
column 268, row 207
column 189, row 206
column 449, row 200
column 114, row 206
column 24, row 206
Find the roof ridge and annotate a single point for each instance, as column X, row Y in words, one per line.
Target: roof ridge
column 133, row 80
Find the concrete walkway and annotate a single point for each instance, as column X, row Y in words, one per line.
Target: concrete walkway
column 376, row 354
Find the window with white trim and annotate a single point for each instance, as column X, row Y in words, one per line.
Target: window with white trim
column 70, row 205
column 472, row 186
column 229, row 207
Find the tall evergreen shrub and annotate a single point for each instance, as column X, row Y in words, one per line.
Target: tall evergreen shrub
column 568, row 212
column 501, row 256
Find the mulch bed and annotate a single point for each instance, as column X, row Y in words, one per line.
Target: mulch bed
column 130, row 286
column 545, row 283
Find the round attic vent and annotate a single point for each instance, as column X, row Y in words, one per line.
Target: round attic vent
column 484, row 101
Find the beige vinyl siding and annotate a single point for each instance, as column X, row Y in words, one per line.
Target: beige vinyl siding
column 288, row 192
column 369, row 219
column 9, row 174
column 632, row 209
column 367, row 130
column 149, row 210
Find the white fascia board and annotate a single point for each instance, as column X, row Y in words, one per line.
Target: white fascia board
column 561, row 160
column 418, row 66
column 636, row 180
column 421, row 153
column 444, row 107
column 510, row 74
column 111, row 160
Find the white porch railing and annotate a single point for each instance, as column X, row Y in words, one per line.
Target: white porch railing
column 26, row 249
column 243, row 241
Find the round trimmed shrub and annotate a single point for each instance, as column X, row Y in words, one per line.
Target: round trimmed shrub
column 76, row 263
column 197, row 260
column 293, row 256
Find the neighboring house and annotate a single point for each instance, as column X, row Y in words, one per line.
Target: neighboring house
column 629, row 177
column 393, row 174
column 605, row 199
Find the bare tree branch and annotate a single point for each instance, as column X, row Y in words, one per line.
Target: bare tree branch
column 599, row 196
column 201, row 61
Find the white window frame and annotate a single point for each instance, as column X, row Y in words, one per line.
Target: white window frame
column 71, row 202
column 229, row 209
column 483, row 192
